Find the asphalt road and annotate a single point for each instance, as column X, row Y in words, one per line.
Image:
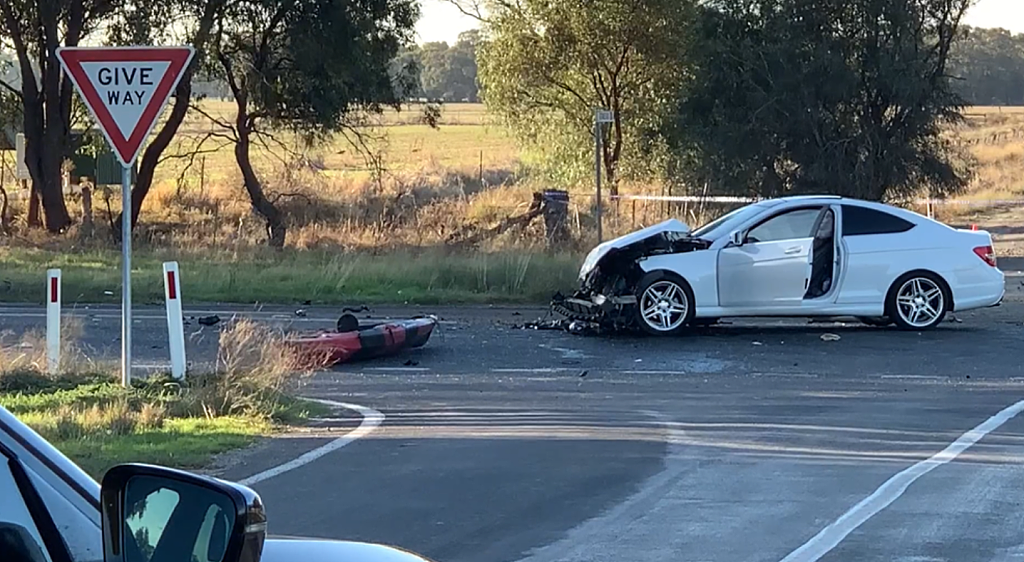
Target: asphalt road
column 749, row 441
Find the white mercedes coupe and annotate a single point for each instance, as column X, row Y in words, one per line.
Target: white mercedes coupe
column 813, row 256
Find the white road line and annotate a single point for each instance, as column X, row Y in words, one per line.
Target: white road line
column 829, row 537
column 371, row 420
column 539, row 370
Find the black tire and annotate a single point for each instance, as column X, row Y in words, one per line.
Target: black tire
column 672, row 323
column 904, row 299
column 876, row 321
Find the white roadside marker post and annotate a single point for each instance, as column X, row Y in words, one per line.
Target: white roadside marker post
column 175, row 327
column 125, row 89
column 53, row 321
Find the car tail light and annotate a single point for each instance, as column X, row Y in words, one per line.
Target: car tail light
column 986, row 253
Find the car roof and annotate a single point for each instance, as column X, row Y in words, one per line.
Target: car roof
column 878, row 205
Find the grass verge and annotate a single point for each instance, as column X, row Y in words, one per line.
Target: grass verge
column 322, row 277
column 97, row 423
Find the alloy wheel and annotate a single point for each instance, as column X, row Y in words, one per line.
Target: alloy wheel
column 663, row 306
column 919, row 302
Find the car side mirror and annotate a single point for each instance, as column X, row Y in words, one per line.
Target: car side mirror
column 737, row 237
column 157, row 514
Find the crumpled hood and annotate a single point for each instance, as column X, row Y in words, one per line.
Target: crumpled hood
column 320, row 550
column 595, row 255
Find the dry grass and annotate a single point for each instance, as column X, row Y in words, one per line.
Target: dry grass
column 97, row 423
column 383, row 232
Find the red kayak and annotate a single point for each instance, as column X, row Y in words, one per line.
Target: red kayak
column 331, row 348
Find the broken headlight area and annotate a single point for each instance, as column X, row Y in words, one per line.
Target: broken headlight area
column 607, row 293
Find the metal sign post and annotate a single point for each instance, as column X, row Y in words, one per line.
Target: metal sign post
column 601, row 116
column 125, row 89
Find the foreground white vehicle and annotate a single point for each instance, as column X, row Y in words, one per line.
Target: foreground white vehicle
column 793, row 256
column 52, row 511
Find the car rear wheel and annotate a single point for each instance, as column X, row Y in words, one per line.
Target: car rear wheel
column 918, row 301
column 664, row 303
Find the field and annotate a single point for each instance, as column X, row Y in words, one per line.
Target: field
column 380, row 224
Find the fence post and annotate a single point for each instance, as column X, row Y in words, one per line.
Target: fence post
column 53, row 321
column 175, row 328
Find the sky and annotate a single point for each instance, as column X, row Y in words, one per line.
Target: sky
column 443, row 22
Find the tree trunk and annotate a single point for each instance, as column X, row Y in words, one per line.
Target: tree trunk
column 276, row 228
column 182, row 98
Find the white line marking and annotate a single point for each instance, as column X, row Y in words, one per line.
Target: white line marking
column 371, row 420
column 540, row 370
column 829, row 537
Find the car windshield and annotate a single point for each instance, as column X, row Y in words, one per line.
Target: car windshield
column 727, row 222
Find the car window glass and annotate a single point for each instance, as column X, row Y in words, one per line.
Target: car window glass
column 149, row 516
column 727, row 222
column 787, row 226
column 19, row 538
column 858, row 221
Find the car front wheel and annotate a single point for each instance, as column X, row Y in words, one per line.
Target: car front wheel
column 664, row 303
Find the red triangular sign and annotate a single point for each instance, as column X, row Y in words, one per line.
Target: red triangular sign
column 125, row 88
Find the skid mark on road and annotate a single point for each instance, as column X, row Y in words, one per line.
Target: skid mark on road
column 567, row 353
column 371, row 420
column 830, row 537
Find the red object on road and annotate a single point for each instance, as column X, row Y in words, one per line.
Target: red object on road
column 330, row 348
column 974, row 227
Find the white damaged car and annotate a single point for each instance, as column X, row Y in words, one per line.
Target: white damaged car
column 823, row 256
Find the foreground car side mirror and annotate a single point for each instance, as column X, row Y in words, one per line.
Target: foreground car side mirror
column 157, row 514
column 737, row 237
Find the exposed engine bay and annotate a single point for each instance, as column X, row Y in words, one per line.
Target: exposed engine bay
column 611, row 273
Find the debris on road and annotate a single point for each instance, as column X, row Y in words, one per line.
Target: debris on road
column 830, row 337
column 410, row 363
column 301, row 313
column 208, row 320
column 757, row 343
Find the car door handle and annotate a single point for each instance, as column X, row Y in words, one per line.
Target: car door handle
column 794, row 250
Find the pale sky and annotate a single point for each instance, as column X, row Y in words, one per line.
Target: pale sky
column 443, row 22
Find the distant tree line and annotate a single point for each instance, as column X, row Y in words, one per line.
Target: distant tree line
column 988, row 66
column 441, row 72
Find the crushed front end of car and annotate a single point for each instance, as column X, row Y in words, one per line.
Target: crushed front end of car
column 611, row 272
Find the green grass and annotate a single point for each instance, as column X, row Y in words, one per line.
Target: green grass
column 180, row 443
column 295, row 276
column 100, row 424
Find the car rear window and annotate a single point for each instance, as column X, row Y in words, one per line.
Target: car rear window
column 858, row 221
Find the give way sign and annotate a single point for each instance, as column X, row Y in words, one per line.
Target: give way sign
column 125, row 88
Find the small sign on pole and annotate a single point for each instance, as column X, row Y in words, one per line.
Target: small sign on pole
column 175, row 326
column 601, row 116
column 125, row 89
column 20, row 168
column 53, row 321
